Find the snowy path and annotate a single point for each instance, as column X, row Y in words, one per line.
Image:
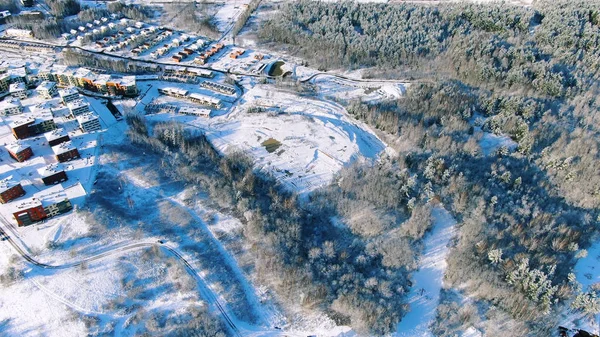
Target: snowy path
column 427, row 281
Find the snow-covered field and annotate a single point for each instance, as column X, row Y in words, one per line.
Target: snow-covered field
column 424, row 295
column 313, row 139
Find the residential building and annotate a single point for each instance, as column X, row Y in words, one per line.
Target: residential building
column 47, row 89
column 187, row 110
column 4, row 82
column 18, row 90
column 48, row 203
column 20, row 128
column 89, row 122
column 57, row 136
column 28, row 212
column 205, row 100
column 11, row 107
column 19, row 151
column 174, row 92
column 29, row 126
column 65, row 152
column 26, row 33
column 53, row 174
column 78, row 107
column 68, row 95
column 219, row 87
column 10, row 190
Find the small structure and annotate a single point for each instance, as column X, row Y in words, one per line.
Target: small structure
column 89, row 122
column 65, row 152
column 57, row 136
column 188, row 110
column 53, row 174
column 47, row 89
column 68, row 95
column 11, row 107
column 19, row 151
column 78, row 107
column 10, row 190
column 18, row 90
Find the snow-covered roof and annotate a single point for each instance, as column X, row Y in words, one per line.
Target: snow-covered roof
column 7, row 183
column 17, row 87
column 25, row 204
column 67, row 91
column 46, row 85
column 78, row 103
column 86, row 117
column 175, row 91
column 102, row 79
column 11, row 103
column 22, row 121
column 17, row 147
column 63, row 147
column 55, row 134
column 83, row 72
column 17, row 72
column 205, row 98
column 188, row 110
column 51, row 169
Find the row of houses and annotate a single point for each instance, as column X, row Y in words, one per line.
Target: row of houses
column 89, row 80
column 64, row 76
column 204, row 57
column 193, row 97
column 219, row 87
column 27, row 46
column 97, row 26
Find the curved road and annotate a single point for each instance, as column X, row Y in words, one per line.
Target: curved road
column 205, row 290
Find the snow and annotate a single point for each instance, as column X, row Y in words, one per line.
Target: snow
column 323, row 138
column 424, row 295
column 587, row 269
column 490, row 142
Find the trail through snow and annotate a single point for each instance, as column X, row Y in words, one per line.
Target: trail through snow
column 427, row 281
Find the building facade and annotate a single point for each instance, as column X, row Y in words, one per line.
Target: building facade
column 10, row 191
column 65, row 152
column 89, row 122
column 47, row 89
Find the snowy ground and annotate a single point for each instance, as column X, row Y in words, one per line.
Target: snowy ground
column 424, row 295
column 317, row 137
column 587, row 271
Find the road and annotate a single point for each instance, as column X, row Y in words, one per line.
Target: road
column 208, row 294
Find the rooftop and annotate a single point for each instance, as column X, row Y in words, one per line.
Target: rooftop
column 63, row 147
column 17, row 147
column 7, row 183
column 188, row 110
column 55, row 134
column 51, row 169
column 11, row 103
column 17, row 87
column 46, row 85
column 175, row 91
column 22, row 121
column 201, row 97
column 67, row 91
column 86, row 117
column 78, row 103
